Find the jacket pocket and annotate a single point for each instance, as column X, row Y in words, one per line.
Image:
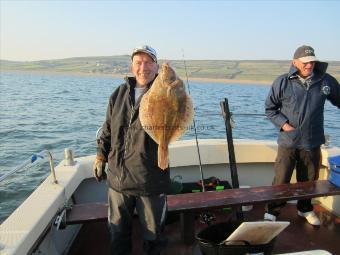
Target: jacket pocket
column 293, row 134
column 289, row 138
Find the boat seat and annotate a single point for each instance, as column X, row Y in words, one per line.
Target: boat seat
column 201, row 201
column 188, row 203
column 253, row 195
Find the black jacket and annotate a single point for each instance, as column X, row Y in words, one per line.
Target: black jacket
column 303, row 108
column 129, row 150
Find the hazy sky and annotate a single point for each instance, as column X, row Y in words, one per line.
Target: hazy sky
column 51, row 29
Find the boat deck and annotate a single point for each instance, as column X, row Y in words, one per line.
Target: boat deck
column 298, row 236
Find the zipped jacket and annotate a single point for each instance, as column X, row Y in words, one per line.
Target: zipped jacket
column 130, row 152
column 290, row 101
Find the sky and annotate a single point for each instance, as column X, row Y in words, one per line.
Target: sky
column 229, row 30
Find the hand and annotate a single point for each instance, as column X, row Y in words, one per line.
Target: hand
column 286, row 127
column 99, row 170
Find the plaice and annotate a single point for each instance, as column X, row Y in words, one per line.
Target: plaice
column 166, row 111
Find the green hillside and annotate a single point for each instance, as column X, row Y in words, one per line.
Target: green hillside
column 254, row 70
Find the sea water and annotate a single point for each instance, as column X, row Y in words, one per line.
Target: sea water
column 57, row 111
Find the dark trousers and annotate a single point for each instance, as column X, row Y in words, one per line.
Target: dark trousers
column 307, row 164
column 151, row 213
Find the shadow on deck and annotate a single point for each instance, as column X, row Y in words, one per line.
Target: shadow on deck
column 299, row 236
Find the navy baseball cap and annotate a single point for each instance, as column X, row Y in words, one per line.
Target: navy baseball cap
column 305, row 54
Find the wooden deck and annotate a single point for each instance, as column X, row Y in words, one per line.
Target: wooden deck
column 299, row 236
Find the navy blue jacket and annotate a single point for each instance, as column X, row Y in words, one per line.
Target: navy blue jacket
column 303, row 108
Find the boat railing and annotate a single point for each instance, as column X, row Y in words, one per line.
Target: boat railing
column 29, row 162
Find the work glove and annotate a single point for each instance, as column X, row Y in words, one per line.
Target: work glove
column 99, row 169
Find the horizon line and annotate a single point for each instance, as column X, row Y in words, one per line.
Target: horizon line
column 160, row 59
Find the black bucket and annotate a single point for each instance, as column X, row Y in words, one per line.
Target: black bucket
column 210, row 241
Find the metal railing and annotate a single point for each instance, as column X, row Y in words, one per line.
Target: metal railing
column 30, row 161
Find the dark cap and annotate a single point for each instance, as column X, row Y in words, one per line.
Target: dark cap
column 305, row 54
column 145, row 49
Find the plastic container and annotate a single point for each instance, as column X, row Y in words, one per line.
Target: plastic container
column 334, row 165
column 211, row 241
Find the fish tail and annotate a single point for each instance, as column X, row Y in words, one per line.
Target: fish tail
column 163, row 157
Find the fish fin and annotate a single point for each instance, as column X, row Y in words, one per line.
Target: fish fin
column 185, row 117
column 168, row 91
column 173, row 85
column 163, row 151
column 163, row 157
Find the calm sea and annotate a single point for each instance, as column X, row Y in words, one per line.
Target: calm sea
column 55, row 111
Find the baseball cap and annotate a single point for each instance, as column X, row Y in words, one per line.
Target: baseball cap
column 305, row 54
column 146, row 49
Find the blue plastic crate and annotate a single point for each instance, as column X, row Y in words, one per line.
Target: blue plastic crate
column 334, row 164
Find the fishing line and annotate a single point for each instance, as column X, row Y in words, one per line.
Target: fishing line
column 195, row 130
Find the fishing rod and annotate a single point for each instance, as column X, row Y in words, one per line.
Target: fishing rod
column 195, row 130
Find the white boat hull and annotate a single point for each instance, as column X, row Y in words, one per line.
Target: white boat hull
column 30, row 227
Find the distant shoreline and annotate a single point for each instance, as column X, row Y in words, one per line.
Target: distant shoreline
column 221, row 80
column 217, row 80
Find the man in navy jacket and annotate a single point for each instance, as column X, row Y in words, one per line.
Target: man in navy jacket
column 295, row 104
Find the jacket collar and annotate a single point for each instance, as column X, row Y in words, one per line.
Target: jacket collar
column 131, row 82
column 319, row 70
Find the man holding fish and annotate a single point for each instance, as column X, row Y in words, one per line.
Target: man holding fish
column 137, row 179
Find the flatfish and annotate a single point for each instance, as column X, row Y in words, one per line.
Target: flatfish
column 166, row 111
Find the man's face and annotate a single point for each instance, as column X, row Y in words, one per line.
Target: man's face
column 305, row 69
column 144, row 68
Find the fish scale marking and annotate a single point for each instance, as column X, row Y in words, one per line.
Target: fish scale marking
column 166, row 111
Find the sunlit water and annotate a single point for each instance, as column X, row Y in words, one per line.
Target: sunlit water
column 55, row 111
